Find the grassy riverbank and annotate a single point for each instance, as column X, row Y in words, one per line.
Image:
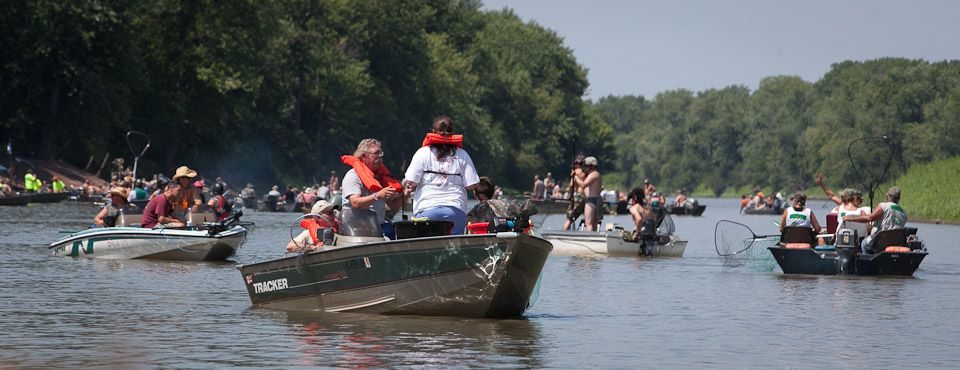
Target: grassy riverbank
column 928, row 192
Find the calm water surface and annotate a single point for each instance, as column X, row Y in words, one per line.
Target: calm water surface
column 591, row 311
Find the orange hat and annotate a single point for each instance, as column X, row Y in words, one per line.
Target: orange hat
column 760, row 194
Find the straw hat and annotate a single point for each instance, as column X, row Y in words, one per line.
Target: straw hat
column 121, row 191
column 183, row 171
column 321, row 206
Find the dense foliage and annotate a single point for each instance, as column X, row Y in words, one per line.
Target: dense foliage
column 277, row 90
column 781, row 136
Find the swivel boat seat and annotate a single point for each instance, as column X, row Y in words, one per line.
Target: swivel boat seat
column 894, row 240
column 798, row 237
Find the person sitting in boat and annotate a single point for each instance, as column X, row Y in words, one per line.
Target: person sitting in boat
column 57, row 184
column 799, row 214
column 575, row 210
column 111, row 211
column 138, row 193
column 639, row 209
column 161, row 183
column 160, row 209
column 439, row 176
column 758, row 202
column 487, row 208
column 308, row 196
column 887, row 216
column 322, row 215
column 681, row 200
column 220, row 204
column 590, row 179
column 744, row 202
column 188, row 198
column 369, row 186
column 5, row 189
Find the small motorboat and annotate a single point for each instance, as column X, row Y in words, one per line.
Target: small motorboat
column 211, row 241
column 194, row 244
column 689, row 209
column 616, row 241
column 894, row 252
column 613, row 242
column 423, row 272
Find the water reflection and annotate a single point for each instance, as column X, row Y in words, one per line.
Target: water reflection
column 377, row 341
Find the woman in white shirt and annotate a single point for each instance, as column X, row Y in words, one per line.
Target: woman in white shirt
column 439, row 175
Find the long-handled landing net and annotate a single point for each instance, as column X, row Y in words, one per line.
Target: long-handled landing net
column 871, row 158
column 738, row 246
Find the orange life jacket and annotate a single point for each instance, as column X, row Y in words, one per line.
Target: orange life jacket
column 446, row 140
column 373, row 181
column 313, row 225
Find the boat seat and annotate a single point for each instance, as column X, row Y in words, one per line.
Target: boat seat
column 889, row 238
column 798, row 235
column 832, row 223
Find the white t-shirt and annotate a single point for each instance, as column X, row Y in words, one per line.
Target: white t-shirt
column 441, row 182
column 323, row 192
column 352, row 185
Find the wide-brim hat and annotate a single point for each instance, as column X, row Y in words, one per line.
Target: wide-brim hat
column 308, row 190
column 590, row 161
column 321, row 206
column 276, row 187
column 183, row 171
column 121, row 191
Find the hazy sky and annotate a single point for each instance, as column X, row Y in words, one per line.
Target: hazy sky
column 645, row 47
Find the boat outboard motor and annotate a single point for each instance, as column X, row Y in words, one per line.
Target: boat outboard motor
column 847, row 247
column 325, row 234
column 647, row 235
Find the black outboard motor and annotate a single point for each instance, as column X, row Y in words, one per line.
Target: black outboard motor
column 847, row 247
column 647, row 236
column 325, row 234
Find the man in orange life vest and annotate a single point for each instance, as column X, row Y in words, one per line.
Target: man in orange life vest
column 369, row 185
column 322, row 215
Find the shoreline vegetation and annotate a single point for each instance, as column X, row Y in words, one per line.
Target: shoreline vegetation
column 924, row 190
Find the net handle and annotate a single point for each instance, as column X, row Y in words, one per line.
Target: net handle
column 871, row 186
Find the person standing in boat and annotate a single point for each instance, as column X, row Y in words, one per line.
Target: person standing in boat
column 590, row 179
column 323, row 192
column 369, row 185
column 440, row 174
column 548, row 185
column 160, row 209
column 111, row 211
column 576, row 206
column 799, row 214
column 30, row 182
column 57, row 184
column 537, row 188
column 887, row 216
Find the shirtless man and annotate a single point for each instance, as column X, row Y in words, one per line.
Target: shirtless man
column 591, row 180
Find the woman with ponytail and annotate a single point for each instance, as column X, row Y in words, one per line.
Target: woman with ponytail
column 440, row 174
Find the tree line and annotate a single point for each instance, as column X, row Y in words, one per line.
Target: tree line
column 275, row 91
column 732, row 140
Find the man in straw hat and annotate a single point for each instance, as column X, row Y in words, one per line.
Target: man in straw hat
column 189, row 195
column 108, row 215
column 322, row 215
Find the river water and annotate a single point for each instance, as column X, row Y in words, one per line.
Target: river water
column 617, row 312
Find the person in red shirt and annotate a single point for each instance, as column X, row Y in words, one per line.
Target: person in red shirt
column 160, row 209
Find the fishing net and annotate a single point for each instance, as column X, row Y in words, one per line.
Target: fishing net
column 737, row 246
column 871, row 158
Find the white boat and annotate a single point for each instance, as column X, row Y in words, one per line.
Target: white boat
column 612, row 242
column 616, row 241
column 207, row 244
